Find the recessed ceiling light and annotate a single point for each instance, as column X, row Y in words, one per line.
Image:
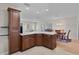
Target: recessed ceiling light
column 37, row 12
column 46, row 9
column 27, row 8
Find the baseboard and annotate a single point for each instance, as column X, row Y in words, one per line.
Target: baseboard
column 4, row 53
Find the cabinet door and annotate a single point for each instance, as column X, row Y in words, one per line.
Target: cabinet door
column 32, row 42
column 51, row 41
column 25, row 43
column 54, row 38
column 39, row 39
column 47, row 41
column 14, row 26
column 14, row 43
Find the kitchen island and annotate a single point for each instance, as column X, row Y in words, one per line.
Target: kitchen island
column 31, row 39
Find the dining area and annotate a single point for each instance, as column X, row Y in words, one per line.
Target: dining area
column 63, row 36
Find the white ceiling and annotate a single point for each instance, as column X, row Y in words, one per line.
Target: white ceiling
column 34, row 8
column 54, row 10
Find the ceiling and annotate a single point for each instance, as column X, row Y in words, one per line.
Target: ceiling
column 44, row 11
column 54, row 10
column 36, row 11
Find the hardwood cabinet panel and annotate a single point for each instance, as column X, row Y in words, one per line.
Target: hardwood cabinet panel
column 25, row 43
column 45, row 40
column 13, row 30
column 49, row 41
column 39, row 39
column 14, row 43
column 54, row 38
column 32, row 42
column 29, row 41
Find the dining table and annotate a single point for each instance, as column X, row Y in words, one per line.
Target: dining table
column 61, row 35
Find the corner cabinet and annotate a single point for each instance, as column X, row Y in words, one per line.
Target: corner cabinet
column 46, row 40
column 27, row 41
column 49, row 41
column 13, row 30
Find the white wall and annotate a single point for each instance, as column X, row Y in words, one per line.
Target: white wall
column 78, row 26
column 3, row 22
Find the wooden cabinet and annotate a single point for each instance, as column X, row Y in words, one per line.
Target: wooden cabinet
column 49, row 41
column 13, row 30
column 27, row 41
column 46, row 40
column 54, row 38
column 32, row 40
column 39, row 38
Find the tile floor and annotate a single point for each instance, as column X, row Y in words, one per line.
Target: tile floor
column 39, row 50
column 71, row 48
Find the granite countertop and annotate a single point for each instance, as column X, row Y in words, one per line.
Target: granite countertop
column 29, row 33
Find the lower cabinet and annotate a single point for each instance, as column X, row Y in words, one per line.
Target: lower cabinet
column 54, row 38
column 46, row 41
column 25, row 43
column 49, row 41
column 32, row 40
column 28, row 41
column 39, row 38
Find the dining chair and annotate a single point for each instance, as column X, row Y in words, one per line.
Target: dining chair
column 66, row 37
